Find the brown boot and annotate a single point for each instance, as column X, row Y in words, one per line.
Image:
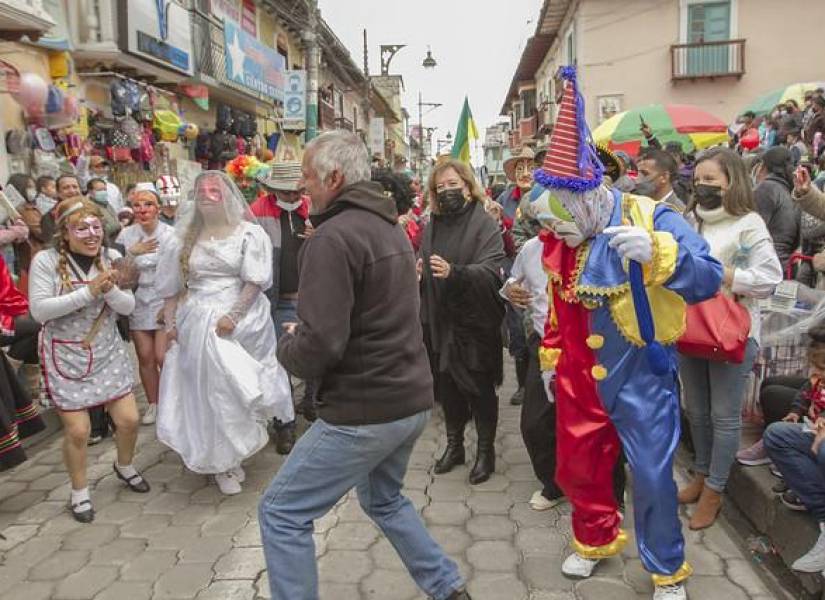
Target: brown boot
column 710, row 503
column 691, row 493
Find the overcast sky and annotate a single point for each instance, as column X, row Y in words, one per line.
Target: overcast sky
column 476, row 48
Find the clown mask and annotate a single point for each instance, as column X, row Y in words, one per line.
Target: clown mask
column 146, row 211
column 85, row 236
column 524, row 174
column 546, row 208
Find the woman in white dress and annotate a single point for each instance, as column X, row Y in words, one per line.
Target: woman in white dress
column 73, row 292
column 221, row 381
column 144, row 242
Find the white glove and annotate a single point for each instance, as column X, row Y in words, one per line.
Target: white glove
column 632, row 243
column 547, row 377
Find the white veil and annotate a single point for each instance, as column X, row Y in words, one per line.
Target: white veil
column 235, row 207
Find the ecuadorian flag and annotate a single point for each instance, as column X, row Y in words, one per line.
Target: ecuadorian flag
column 465, row 132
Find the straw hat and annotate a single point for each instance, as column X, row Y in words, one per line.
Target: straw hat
column 284, row 176
column 510, row 164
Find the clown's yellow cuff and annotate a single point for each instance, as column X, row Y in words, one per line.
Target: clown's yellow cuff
column 549, row 358
column 683, row 573
column 606, row 551
column 665, row 253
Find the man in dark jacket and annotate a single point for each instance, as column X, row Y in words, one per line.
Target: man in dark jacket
column 774, row 202
column 359, row 335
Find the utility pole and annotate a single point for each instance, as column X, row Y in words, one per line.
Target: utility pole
column 313, row 64
column 367, row 92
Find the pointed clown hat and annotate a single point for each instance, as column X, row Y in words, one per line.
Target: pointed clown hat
column 571, row 161
column 569, row 184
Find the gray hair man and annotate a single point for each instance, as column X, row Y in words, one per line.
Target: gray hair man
column 358, row 333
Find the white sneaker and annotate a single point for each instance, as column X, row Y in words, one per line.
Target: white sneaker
column 814, row 560
column 670, row 592
column 539, row 502
column 238, row 473
column 151, row 415
column 579, row 566
column 227, row 483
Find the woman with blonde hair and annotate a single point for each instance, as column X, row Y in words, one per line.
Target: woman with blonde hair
column 461, row 264
column 221, row 381
column 74, row 293
column 143, row 242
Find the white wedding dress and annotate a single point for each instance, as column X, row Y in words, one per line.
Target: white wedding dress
column 217, row 394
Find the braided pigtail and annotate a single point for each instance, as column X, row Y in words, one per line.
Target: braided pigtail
column 186, row 252
column 63, row 265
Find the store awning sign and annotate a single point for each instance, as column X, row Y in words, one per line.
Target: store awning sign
column 251, row 64
column 295, row 104
column 159, row 30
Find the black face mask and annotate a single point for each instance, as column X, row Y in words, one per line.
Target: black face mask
column 708, row 197
column 450, row 201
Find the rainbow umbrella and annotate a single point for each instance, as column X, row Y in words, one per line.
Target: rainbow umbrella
column 693, row 127
column 767, row 102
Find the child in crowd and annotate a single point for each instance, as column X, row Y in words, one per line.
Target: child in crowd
column 795, row 447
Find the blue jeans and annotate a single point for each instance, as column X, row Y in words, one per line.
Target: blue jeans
column 324, row 465
column 789, row 447
column 713, row 398
column 284, row 311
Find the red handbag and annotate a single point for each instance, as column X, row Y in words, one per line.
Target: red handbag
column 717, row 329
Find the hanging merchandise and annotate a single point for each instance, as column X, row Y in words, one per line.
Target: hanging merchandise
column 132, row 96
column 203, row 145
column 146, row 152
column 18, row 141
column 224, row 120
column 133, row 131
column 167, row 124
column 44, row 139
column 190, row 131
column 118, row 100
column 54, row 100
column 32, row 94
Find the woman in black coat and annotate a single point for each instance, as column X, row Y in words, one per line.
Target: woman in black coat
column 462, row 255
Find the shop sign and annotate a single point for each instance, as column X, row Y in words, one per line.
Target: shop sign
column 251, row 64
column 227, row 9
column 295, row 103
column 249, row 17
column 377, row 136
column 160, row 30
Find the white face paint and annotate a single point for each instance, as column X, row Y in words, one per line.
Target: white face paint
column 567, row 232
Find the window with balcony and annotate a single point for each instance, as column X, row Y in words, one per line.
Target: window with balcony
column 528, row 103
column 708, row 47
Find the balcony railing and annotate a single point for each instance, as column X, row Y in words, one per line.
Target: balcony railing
column 344, row 123
column 527, row 127
column 326, row 114
column 708, row 60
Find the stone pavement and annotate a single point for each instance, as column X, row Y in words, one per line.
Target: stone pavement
column 186, row 540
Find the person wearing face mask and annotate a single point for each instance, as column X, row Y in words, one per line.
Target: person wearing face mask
column 96, row 191
column 621, row 269
column 144, row 242
column 76, row 296
column 221, row 381
column 774, row 181
column 657, row 172
column 816, row 123
column 727, row 218
column 283, row 213
column 462, row 257
column 168, row 187
column 99, row 168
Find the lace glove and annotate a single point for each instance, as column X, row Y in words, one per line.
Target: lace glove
column 170, row 308
column 249, row 293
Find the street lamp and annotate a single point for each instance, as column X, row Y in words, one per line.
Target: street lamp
column 429, row 61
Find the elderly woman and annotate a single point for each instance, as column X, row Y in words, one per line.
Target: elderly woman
column 461, row 273
column 221, row 380
column 143, row 242
column 74, row 293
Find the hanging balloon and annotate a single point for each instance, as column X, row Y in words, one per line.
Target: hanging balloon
column 191, row 131
column 33, row 93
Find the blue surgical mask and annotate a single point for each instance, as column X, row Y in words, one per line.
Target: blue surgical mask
column 101, row 197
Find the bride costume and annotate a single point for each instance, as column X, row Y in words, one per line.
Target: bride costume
column 217, row 393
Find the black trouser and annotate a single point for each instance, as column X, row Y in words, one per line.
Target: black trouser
column 23, row 344
column 777, row 394
column 538, row 429
column 459, row 405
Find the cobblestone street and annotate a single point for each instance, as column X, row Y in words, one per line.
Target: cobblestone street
column 186, row 540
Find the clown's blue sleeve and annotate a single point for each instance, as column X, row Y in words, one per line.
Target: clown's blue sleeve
column 692, row 272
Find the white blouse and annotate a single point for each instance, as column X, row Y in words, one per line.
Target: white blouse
column 45, row 301
column 744, row 244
